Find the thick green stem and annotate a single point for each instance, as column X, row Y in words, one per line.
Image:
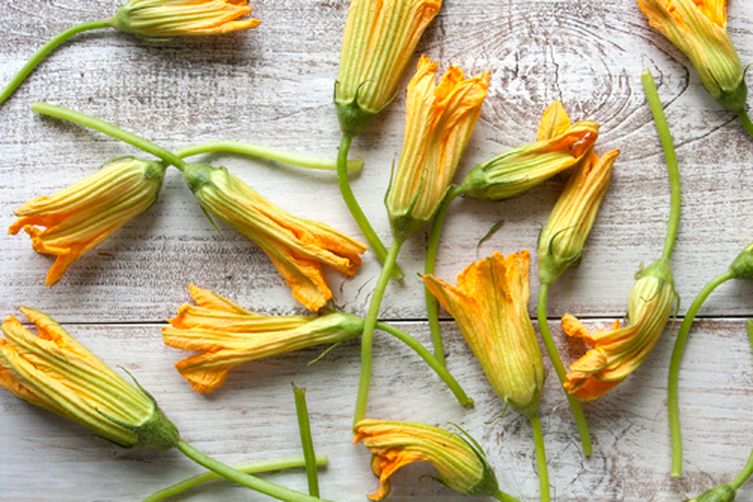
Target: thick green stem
column 307, row 443
column 745, row 119
column 744, row 474
column 504, row 497
column 432, row 247
column 255, row 468
column 111, row 130
column 431, row 360
column 262, row 152
column 369, row 324
column 379, row 250
column 652, row 95
column 559, row 368
column 674, row 370
column 243, row 479
column 45, row 51
column 538, row 441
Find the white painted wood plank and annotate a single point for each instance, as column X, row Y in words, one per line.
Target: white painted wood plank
column 253, row 417
column 274, row 86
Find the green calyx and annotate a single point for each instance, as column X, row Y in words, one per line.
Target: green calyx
column 721, row 493
column 742, row 266
column 476, row 184
column 353, row 118
column 198, row 175
column 734, row 99
column 661, row 269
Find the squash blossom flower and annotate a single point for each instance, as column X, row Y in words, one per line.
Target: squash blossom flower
column 53, row 371
column 699, row 29
column 83, row 215
column 459, row 460
column 616, row 353
column 297, row 247
column 179, row 18
column 490, row 306
column 563, row 238
column 438, row 125
column 228, row 335
column 378, row 41
column 557, row 149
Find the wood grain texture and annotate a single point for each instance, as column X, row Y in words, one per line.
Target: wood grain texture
column 273, row 86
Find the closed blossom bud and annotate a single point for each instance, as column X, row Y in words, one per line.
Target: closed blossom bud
column 299, row 248
column 83, row 215
column 742, row 266
column 617, row 352
column 563, row 237
column 378, row 41
column 721, row 493
column 458, row 459
column 179, row 18
column 53, row 371
column 438, row 125
column 699, row 30
column 227, row 335
column 559, row 147
column 490, row 306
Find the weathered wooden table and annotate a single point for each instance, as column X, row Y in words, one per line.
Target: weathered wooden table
column 273, row 86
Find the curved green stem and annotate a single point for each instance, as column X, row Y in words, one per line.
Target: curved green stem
column 744, row 474
column 255, row 468
column 369, row 324
column 241, row 478
column 111, row 130
column 559, row 368
column 432, row 247
column 307, row 442
column 45, row 51
column 504, row 497
column 745, row 118
column 431, row 360
column 377, row 247
column 262, row 152
column 674, row 369
column 652, row 95
column 538, row 441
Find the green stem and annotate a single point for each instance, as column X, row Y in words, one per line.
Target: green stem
column 746, row 121
column 432, row 247
column 504, row 497
column 255, row 468
column 262, row 152
column 652, row 95
column 744, row 474
column 307, row 443
column 369, row 324
column 559, row 368
column 379, row 250
column 241, row 478
column 538, row 441
column 111, row 130
column 431, row 360
column 45, row 51
column 674, row 369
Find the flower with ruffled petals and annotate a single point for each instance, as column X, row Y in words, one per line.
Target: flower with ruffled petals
column 53, row 371
column 83, row 215
column 299, row 248
column 180, row 18
column 438, row 125
column 490, row 306
column 458, row 459
column 617, row 352
column 378, row 42
column 227, row 335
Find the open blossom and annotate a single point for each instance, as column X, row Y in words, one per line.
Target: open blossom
column 699, row 29
column 617, row 352
column 490, row 306
column 83, row 215
column 55, row 372
column 459, row 461
column 179, row 18
column 299, row 248
column 563, row 238
column 559, row 146
column 378, row 41
column 438, row 125
column 227, row 335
